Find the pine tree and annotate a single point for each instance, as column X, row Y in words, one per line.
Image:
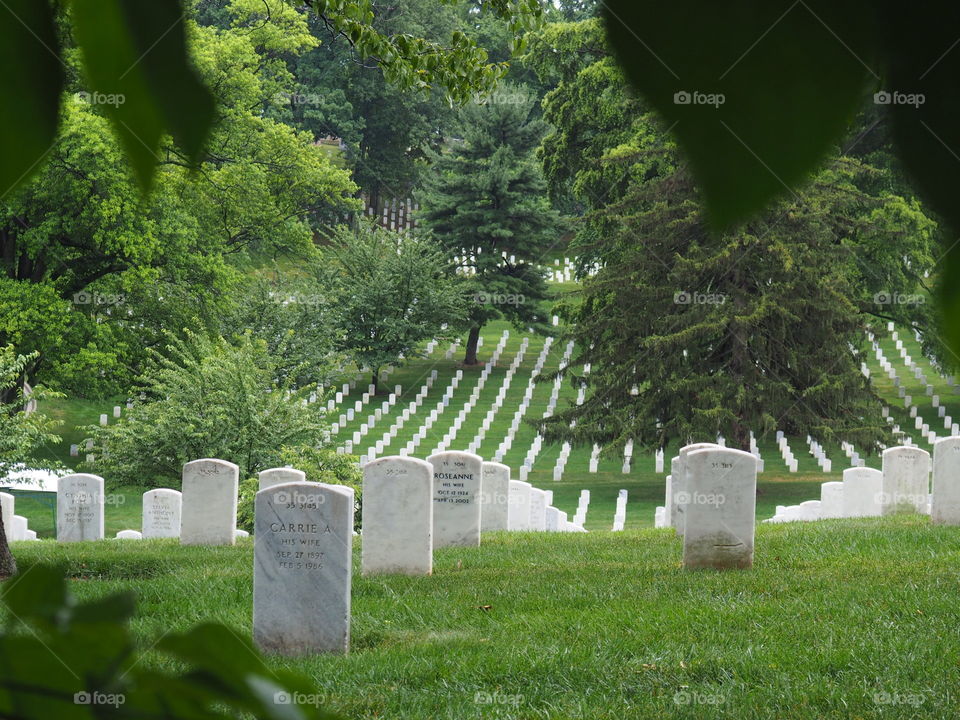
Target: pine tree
column 486, row 203
column 690, row 334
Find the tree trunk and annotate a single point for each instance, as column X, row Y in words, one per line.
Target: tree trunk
column 8, row 566
column 376, row 380
column 470, row 358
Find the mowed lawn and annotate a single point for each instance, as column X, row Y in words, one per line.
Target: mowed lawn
column 838, row 619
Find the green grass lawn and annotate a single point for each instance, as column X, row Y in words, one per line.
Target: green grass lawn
column 838, row 619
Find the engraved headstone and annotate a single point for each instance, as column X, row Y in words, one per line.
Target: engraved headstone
column 279, row 476
column 495, row 497
column 209, row 512
column 719, row 508
column 862, row 492
column 302, row 565
column 831, row 500
column 518, row 512
column 945, row 504
column 161, row 513
column 80, row 508
column 456, row 498
column 905, row 480
column 679, row 483
column 538, row 509
column 397, row 516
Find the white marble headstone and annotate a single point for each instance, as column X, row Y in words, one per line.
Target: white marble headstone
column 945, row 504
column 397, row 516
column 906, row 472
column 831, row 500
column 209, row 512
column 279, row 476
column 7, row 506
column 538, row 509
column 495, row 497
column 161, row 513
column 518, row 516
column 679, row 478
column 456, row 498
column 862, row 492
column 80, row 508
column 302, row 566
column 719, row 508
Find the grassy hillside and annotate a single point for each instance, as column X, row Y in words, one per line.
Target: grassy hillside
column 777, row 486
column 838, row 619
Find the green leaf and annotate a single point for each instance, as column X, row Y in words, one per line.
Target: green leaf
column 111, row 609
column 37, row 593
column 778, row 83
column 136, row 59
column 920, row 92
column 31, row 85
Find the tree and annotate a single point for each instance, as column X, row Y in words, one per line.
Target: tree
column 290, row 313
column 691, row 333
column 486, row 203
column 21, row 433
column 94, row 265
column 386, row 128
column 792, row 78
column 391, row 291
column 208, row 398
column 138, row 52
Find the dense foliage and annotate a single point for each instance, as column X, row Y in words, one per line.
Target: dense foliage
column 209, row 398
column 486, row 202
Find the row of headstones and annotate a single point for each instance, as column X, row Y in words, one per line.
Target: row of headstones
column 397, row 214
column 521, row 411
column 710, row 501
column 378, row 414
column 902, row 485
column 500, row 398
column 203, row 513
column 15, row 526
column 390, row 435
column 537, row 444
column 474, row 398
column 394, row 429
column 303, row 554
column 928, row 434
